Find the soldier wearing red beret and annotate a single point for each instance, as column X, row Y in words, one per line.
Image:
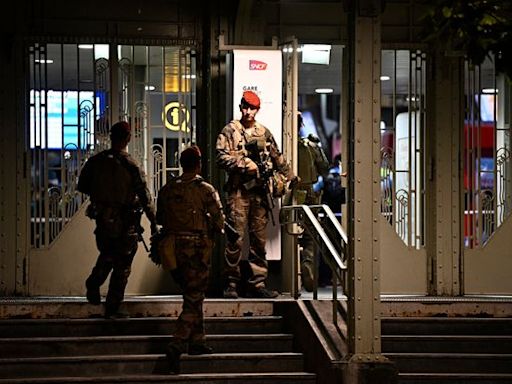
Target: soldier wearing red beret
column 247, row 204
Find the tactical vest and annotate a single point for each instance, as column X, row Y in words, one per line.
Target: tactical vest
column 183, row 206
column 309, row 157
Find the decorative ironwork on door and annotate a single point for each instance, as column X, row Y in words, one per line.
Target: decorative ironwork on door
column 486, row 159
column 403, row 113
column 71, row 90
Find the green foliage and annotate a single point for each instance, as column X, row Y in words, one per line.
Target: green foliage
column 476, row 28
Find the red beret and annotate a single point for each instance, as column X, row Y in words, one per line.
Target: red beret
column 251, row 98
column 190, row 155
column 120, row 129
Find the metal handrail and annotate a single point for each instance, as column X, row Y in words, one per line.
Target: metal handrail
column 306, row 217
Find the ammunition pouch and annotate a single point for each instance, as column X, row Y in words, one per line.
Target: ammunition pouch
column 116, row 221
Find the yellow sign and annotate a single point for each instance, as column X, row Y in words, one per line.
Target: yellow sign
column 176, row 117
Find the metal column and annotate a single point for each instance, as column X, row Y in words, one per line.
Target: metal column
column 364, row 204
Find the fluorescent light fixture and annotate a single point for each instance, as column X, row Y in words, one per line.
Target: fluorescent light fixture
column 316, row 54
column 324, row 90
column 384, row 78
column 149, row 87
column 85, row 46
column 42, row 61
column 489, row 90
column 101, row 51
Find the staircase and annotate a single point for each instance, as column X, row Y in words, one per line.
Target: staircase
column 449, row 349
column 250, row 348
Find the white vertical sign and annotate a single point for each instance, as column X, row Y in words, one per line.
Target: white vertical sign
column 261, row 71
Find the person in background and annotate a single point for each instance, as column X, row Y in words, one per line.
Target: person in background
column 118, row 192
column 247, row 202
column 313, row 164
column 190, row 210
column 333, row 195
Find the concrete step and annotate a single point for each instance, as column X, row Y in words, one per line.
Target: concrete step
column 194, row 378
column 112, row 365
column 136, row 344
column 451, row 362
column 133, row 326
column 446, row 326
column 139, row 306
column 454, row 378
column 447, row 343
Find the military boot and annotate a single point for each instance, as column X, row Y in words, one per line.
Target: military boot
column 199, row 348
column 306, row 273
column 230, row 292
column 93, row 293
column 173, row 352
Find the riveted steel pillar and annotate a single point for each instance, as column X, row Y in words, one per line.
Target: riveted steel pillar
column 14, row 160
column 448, row 109
column 364, row 262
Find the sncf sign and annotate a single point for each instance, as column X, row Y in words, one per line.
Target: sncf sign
column 256, row 65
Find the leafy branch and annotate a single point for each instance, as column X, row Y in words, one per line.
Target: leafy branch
column 477, row 28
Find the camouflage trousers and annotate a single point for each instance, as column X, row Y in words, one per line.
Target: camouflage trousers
column 247, row 210
column 116, row 256
column 192, row 259
column 306, row 241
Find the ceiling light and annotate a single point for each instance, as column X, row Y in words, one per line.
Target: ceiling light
column 385, row 78
column 85, row 46
column 324, row 90
column 149, row 87
column 42, row 61
column 189, row 76
column 316, row 54
column 489, row 90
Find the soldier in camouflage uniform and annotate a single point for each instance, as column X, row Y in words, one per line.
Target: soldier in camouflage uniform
column 190, row 209
column 118, row 192
column 312, row 163
column 247, row 205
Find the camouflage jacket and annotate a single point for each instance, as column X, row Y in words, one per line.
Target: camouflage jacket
column 189, row 205
column 231, row 152
column 113, row 179
column 312, row 160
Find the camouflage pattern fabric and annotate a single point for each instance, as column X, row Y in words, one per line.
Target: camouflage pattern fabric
column 247, row 208
column 116, row 256
column 192, row 257
column 243, row 209
column 190, row 208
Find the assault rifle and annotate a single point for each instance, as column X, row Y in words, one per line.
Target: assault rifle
column 263, row 178
column 138, row 228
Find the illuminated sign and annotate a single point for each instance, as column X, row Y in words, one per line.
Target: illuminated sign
column 256, row 65
column 176, row 117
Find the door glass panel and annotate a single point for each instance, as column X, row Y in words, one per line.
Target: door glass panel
column 487, row 165
column 70, row 97
column 64, row 106
column 403, row 113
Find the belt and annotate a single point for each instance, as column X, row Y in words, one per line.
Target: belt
column 189, row 235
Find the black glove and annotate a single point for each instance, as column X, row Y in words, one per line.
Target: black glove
column 153, row 252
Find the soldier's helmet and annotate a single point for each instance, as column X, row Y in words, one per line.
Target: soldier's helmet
column 190, row 157
column 250, row 98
